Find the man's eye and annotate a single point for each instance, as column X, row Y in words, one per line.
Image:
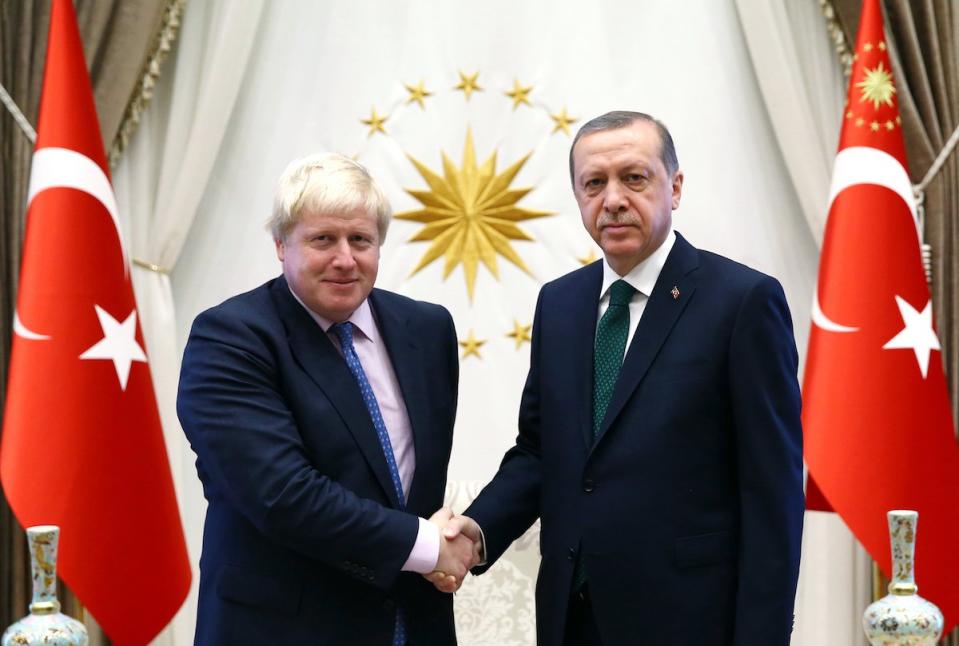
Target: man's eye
column 634, row 178
column 594, row 182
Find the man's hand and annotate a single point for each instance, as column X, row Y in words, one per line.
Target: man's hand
column 459, row 550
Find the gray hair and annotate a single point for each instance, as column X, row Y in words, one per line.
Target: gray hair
column 623, row 119
column 326, row 183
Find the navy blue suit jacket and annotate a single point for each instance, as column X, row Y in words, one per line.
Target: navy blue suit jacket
column 687, row 510
column 304, row 541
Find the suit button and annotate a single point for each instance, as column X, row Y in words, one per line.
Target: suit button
column 588, row 485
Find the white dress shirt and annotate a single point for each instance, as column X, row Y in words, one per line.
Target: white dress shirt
column 642, row 277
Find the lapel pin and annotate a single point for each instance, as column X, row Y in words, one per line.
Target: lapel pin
column 675, row 292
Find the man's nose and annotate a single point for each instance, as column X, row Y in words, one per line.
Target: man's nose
column 614, row 199
column 343, row 255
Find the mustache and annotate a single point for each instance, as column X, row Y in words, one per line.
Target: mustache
column 606, row 218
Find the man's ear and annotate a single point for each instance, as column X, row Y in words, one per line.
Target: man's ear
column 677, row 188
column 279, row 248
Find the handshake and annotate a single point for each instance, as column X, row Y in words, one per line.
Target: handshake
column 461, row 546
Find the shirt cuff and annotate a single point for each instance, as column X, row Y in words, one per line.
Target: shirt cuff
column 426, row 550
column 482, row 553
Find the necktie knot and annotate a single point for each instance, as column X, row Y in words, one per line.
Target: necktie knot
column 620, row 293
column 344, row 332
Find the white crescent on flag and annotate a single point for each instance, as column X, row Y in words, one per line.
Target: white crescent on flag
column 65, row 168
column 864, row 165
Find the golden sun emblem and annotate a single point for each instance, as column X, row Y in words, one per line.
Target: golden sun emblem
column 470, row 214
column 877, row 87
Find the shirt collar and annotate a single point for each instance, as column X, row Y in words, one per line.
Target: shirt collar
column 643, row 276
column 361, row 318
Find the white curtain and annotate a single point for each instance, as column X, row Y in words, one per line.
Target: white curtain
column 159, row 183
column 804, row 91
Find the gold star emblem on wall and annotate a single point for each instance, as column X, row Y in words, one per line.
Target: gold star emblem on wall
column 588, row 258
column 468, row 84
column 877, row 87
column 417, row 93
column 375, row 122
column 562, row 121
column 471, row 346
column 519, row 94
column 470, row 214
column 520, row 333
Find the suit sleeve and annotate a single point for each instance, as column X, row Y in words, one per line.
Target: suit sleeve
column 509, row 504
column 232, row 408
column 765, row 403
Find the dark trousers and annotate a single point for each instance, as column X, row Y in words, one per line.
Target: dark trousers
column 581, row 628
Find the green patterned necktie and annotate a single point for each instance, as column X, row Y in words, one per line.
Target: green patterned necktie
column 608, row 355
column 610, row 347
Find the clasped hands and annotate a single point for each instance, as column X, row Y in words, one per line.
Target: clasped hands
column 460, row 550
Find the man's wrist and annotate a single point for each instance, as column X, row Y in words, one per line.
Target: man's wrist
column 426, row 549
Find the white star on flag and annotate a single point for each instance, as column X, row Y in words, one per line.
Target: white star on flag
column 917, row 333
column 118, row 344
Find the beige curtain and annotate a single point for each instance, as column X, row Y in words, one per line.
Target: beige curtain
column 118, row 36
column 922, row 36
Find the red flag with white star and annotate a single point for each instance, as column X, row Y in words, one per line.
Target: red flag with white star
column 877, row 419
column 82, row 445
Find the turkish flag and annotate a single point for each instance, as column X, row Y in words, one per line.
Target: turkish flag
column 877, row 419
column 82, row 443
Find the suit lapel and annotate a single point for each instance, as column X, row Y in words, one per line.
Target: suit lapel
column 315, row 352
column 582, row 336
column 661, row 313
column 408, row 366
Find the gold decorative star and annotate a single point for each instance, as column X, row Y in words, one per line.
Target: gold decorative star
column 867, row 47
column 890, row 125
column 882, row 45
column 877, row 87
column 471, row 346
column 898, row 120
column 468, row 83
column 859, row 122
column 519, row 94
column 874, row 126
column 520, row 333
column 375, row 122
column 562, row 121
column 470, row 214
column 849, row 115
column 588, row 258
column 417, row 93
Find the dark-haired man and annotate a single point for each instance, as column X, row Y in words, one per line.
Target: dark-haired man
column 659, row 430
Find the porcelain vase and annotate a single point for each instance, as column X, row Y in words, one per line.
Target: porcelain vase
column 902, row 617
column 45, row 624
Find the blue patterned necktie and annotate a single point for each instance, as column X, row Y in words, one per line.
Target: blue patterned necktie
column 608, row 352
column 344, row 331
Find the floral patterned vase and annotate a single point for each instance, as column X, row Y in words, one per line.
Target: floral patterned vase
column 902, row 617
column 45, row 624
